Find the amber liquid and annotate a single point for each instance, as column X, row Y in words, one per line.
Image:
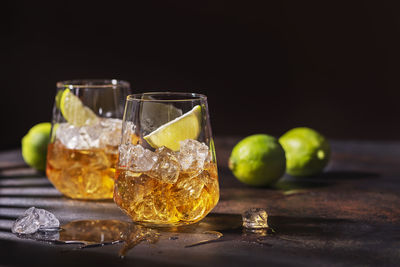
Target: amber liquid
column 82, row 174
column 151, row 201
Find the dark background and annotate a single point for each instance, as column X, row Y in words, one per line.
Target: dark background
column 266, row 66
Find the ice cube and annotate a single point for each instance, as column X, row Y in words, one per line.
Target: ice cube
column 166, row 167
column 255, row 218
column 128, row 133
column 189, row 188
column 68, row 135
column 92, row 181
column 34, row 219
column 28, row 223
column 47, row 219
column 143, row 188
column 192, row 155
column 110, row 132
column 107, row 132
column 136, row 158
column 143, row 159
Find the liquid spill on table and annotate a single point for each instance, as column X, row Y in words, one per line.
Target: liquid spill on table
column 94, row 233
column 214, row 231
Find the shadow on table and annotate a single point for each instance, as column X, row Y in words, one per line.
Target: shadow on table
column 25, row 182
column 321, row 180
column 32, row 254
column 308, row 236
column 296, row 231
column 21, row 173
column 309, row 226
column 9, row 216
column 287, row 182
column 13, row 165
column 212, row 222
column 287, row 225
column 22, row 176
column 231, row 226
column 346, row 175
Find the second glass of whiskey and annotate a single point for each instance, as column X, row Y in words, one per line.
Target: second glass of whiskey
column 86, row 132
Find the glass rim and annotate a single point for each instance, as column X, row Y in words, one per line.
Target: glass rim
column 92, row 83
column 180, row 97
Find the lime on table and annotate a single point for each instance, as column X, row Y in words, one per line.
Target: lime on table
column 307, row 151
column 74, row 111
column 258, row 160
column 187, row 126
column 34, row 145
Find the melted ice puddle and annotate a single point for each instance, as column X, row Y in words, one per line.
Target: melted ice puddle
column 95, row 233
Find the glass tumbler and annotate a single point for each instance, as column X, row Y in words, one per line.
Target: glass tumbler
column 167, row 171
column 86, row 131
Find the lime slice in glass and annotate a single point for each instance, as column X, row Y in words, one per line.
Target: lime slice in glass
column 154, row 114
column 187, row 126
column 74, row 111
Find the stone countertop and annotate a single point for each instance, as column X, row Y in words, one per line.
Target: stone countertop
column 347, row 216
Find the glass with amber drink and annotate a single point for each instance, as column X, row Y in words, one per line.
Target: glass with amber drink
column 86, row 131
column 167, row 171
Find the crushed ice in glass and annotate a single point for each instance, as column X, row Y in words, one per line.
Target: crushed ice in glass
column 192, row 154
column 189, row 188
column 128, row 130
column 255, row 218
column 165, row 164
column 106, row 132
column 33, row 220
column 136, row 158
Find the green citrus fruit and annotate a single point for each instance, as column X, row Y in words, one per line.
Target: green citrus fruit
column 258, row 160
column 34, row 145
column 307, row 151
column 74, row 111
column 187, row 126
column 58, row 98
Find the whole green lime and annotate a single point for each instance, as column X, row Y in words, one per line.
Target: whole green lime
column 258, row 160
column 307, row 151
column 34, row 145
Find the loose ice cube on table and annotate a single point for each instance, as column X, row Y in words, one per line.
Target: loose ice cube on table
column 26, row 224
column 33, row 220
column 255, row 218
column 192, row 155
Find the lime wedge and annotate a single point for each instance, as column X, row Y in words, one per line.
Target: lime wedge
column 187, row 126
column 74, row 111
column 154, row 114
column 58, row 98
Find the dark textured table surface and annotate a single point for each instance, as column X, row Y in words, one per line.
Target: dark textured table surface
column 347, row 216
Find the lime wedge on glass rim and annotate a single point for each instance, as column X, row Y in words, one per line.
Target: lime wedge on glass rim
column 187, row 126
column 74, row 111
